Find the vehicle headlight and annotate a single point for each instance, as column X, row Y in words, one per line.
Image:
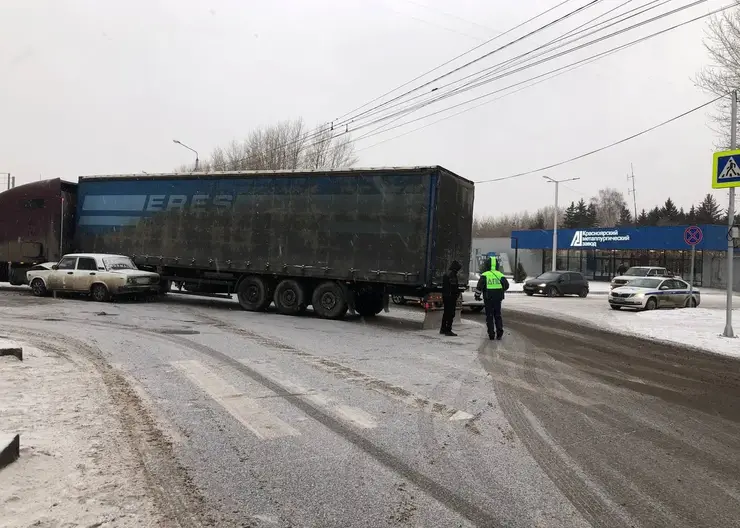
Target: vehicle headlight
column 541, row 285
column 638, row 295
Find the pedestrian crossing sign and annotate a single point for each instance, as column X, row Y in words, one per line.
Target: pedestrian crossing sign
column 726, row 169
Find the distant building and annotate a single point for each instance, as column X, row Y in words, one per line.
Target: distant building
column 598, row 252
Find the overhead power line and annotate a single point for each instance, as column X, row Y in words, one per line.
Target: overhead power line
column 488, row 94
column 478, row 82
column 605, row 147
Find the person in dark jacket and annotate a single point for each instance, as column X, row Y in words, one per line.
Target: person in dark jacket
column 450, row 293
column 492, row 285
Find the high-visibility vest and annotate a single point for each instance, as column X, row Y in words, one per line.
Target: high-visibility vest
column 493, row 280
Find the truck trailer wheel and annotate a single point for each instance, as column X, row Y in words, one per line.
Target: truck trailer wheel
column 290, row 297
column 329, row 301
column 369, row 304
column 253, row 294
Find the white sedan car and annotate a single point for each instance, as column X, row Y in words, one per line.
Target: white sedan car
column 101, row 276
column 650, row 293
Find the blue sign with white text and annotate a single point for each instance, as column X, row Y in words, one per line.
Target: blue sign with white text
column 638, row 238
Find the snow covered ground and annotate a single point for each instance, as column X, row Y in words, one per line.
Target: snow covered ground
column 695, row 327
column 75, row 467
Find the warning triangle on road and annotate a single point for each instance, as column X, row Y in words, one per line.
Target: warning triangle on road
column 731, row 170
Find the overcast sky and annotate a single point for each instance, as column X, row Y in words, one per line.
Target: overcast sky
column 102, row 87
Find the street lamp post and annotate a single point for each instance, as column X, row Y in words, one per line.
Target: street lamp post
column 555, row 220
column 190, row 149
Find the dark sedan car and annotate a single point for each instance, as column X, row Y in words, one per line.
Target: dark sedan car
column 556, row 283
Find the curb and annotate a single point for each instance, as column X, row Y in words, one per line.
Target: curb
column 590, row 292
column 10, row 449
column 9, row 348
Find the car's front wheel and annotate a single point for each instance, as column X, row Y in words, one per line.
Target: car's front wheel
column 551, row 291
column 651, row 304
column 583, row 292
column 690, row 303
column 38, row 288
column 529, row 293
column 615, row 307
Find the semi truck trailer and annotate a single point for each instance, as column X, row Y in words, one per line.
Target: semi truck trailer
column 37, row 223
column 334, row 240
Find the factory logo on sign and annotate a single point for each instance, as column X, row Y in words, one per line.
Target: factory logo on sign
column 592, row 238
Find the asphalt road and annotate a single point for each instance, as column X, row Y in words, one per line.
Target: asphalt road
column 269, row 420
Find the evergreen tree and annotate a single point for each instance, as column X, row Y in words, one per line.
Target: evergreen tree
column 691, row 216
column 709, row 211
column 591, row 215
column 668, row 213
column 625, row 217
column 581, row 218
column 538, row 222
column 571, row 216
column 642, row 218
column 681, row 218
column 653, row 217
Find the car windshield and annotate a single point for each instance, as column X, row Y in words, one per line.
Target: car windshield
column 548, row 276
column 645, row 283
column 637, row 272
column 118, row 263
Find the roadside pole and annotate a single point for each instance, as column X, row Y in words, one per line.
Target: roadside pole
column 730, row 221
column 692, row 235
column 555, row 220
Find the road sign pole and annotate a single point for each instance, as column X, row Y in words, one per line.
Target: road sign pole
column 691, row 277
column 730, row 221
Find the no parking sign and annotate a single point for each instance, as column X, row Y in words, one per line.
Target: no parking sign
column 693, row 235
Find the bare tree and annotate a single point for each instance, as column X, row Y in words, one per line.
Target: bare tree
column 284, row 145
column 722, row 42
column 502, row 226
column 609, row 205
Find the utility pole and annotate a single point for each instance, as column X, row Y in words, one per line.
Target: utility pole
column 632, row 192
column 7, row 175
column 731, row 222
column 555, row 220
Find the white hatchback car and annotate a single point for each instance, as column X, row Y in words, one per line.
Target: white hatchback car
column 102, row 276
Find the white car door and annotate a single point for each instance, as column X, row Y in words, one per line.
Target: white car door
column 59, row 277
column 84, row 274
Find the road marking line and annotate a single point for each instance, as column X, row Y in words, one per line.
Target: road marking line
column 238, row 405
column 387, row 389
column 353, row 415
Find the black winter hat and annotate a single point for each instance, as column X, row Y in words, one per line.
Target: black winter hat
column 456, row 266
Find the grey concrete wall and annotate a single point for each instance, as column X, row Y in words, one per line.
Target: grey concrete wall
column 715, row 271
column 530, row 259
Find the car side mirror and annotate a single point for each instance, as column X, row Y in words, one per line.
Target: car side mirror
column 55, row 267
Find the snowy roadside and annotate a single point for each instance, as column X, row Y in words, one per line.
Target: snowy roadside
column 693, row 327
column 76, row 467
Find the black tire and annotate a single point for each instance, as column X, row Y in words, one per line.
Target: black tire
column 290, row 297
column 369, row 304
column 529, row 293
column 99, row 293
column 583, row 293
column 398, row 299
column 38, row 288
column 651, row 304
column 329, row 300
column 690, row 303
column 552, row 291
column 476, row 309
column 615, row 307
column 254, row 294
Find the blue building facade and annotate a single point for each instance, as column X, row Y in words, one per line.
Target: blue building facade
column 599, row 252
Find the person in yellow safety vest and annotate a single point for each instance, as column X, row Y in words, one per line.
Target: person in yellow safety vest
column 492, row 285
